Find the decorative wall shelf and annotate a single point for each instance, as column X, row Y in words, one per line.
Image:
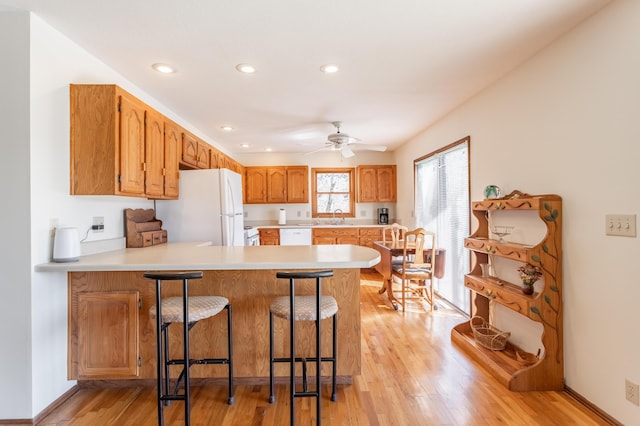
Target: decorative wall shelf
column 544, row 306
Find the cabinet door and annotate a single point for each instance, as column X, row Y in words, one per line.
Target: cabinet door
column 367, row 184
column 172, row 136
column 256, row 185
column 276, row 185
column 386, row 183
column 269, row 237
column 298, row 184
column 132, row 134
column 189, row 150
column 202, row 160
column 108, row 334
column 154, row 154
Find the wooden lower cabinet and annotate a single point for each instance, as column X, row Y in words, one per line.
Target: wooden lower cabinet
column 112, row 337
column 269, row 237
column 336, row 235
column 106, row 334
column 330, row 235
column 368, row 235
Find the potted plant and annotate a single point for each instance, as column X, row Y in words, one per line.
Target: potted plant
column 529, row 274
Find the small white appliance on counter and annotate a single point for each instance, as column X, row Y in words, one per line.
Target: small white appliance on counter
column 209, row 208
column 66, row 245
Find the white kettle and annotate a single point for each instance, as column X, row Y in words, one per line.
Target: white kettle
column 66, row 245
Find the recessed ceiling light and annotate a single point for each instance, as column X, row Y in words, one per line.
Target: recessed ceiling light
column 268, row 149
column 244, row 145
column 329, row 69
column 226, row 128
column 245, row 68
column 163, row 68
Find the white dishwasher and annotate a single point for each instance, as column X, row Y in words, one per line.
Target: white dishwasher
column 295, row 236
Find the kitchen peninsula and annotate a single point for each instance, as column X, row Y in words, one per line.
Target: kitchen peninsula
column 111, row 335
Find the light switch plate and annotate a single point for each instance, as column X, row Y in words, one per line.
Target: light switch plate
column 620, row 225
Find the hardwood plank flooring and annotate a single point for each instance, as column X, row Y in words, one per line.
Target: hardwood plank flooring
column 411, row 375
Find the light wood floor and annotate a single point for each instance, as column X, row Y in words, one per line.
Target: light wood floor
column 411, row 375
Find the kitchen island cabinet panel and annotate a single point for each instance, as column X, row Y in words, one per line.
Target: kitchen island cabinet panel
column 107, row 334
column 249, row 292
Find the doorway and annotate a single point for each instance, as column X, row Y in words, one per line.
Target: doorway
column 442, row 205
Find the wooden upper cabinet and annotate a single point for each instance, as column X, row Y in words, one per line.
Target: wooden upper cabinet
column 172, row 143
column 297, row 184
column 377, row 184
column 154, row 154
column 276, row 185
column 116, row 143
column 132, row 134
column 203, row 156
column 367, row 184
column 195, row 153
column 255, row 185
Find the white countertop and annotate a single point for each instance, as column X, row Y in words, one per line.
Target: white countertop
column 199, row 256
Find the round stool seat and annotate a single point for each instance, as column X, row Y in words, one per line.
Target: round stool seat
column 200, row 307
column 305, row 307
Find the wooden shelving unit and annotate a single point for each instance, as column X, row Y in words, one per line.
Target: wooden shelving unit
column 545, row 306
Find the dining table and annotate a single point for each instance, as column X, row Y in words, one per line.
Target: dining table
column 390, row 249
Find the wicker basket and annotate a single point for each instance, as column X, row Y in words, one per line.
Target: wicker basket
column 487, row 335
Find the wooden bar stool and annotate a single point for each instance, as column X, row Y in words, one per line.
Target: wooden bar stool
column 304, row 308
column 174, row 310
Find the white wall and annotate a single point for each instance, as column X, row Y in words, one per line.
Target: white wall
column 567, row 122
column 15, row 324
column 263, row 214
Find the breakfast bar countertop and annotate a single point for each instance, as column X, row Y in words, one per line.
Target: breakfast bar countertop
column 203, row 256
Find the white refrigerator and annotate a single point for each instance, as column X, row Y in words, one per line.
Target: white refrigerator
column 209, row 208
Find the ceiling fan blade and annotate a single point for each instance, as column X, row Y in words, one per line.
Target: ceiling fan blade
column 346, row 152
column 379, row 148
column 324, row 148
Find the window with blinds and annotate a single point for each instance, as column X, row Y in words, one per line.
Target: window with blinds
column 442, row 205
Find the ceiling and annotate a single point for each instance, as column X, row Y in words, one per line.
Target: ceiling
column 404, row 64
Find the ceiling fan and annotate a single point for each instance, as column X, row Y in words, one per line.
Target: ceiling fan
column 342, row 142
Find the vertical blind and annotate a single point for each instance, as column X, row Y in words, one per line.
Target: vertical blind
column 442, row 205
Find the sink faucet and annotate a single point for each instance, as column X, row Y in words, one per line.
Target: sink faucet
column 341, row 214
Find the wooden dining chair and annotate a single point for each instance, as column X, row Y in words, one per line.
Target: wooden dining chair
column 394, row 232
column 416, row 269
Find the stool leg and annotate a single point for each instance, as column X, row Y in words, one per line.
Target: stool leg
column 292, row 344
column 272, row 397
column 230, row 343
column 187, row 363
column 334, row 397
column 159, row 353
column 318, row 354
column 165, row 336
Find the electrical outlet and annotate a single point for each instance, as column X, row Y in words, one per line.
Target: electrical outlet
column 631, row 391
column 299, row 213
column 98, row 224
column 621, row 225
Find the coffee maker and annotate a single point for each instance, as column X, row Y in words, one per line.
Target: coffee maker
column 383, row 216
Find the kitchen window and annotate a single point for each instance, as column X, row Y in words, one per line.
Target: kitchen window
column 333, row 190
